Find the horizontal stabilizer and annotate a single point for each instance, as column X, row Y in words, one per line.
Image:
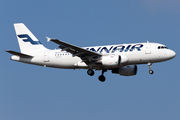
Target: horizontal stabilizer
column 19, row 54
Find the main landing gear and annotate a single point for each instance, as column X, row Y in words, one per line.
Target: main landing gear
column 101, row 77
column 90, row 72
column 150, row 66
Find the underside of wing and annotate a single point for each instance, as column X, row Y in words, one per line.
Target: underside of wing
column 87, row 56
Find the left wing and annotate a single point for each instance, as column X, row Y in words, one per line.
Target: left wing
column 87, row 56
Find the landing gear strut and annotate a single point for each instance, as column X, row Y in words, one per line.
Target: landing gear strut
column 101, row 77
column 90, row 72
column 150, row 66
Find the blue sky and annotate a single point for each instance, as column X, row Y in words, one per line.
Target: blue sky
column 31, row 92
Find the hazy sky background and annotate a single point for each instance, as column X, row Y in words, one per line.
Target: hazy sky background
column 29, row 92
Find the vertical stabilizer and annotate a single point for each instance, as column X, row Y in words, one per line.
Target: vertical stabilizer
column 27, row 41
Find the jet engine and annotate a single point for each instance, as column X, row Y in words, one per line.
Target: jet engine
column 128, row 70
column 113, row 60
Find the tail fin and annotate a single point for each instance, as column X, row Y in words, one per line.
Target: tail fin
column 27, row 41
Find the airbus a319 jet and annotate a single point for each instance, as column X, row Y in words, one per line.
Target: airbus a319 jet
column 119, row 59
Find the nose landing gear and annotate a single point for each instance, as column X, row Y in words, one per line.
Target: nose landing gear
column 150, row 66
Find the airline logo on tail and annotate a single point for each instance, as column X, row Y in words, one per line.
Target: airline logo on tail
column 26, row 38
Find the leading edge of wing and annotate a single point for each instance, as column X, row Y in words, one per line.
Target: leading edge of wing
column 75, row 50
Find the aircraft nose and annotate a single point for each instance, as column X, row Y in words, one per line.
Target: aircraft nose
column 172, row 54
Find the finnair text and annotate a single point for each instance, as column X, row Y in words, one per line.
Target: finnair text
column 119, row 48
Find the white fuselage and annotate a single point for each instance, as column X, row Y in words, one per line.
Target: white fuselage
column 121, row 59
column 138, row 53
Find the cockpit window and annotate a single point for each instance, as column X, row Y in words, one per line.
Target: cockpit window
column 162, row 47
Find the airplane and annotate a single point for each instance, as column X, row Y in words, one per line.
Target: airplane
column 120, row 59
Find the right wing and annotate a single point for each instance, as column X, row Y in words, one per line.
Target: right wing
column 87, row 56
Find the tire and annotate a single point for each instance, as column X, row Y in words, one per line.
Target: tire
column 102, row 78
column 151, row 71
column 90, row 72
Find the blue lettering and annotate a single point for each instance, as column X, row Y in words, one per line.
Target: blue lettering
column 127, row 48
column 138, row 46
column 106, row 50
column 92, row 49
column 118, row 48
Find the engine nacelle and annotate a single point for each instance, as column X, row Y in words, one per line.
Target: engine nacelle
column 111, row 60
column 128, row 70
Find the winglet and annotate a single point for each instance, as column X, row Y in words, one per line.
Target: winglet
column 48, row 39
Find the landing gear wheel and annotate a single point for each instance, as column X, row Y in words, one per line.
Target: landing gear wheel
column 150, row 66
column 90, row 72
column 102, row 78
column 151, row 71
